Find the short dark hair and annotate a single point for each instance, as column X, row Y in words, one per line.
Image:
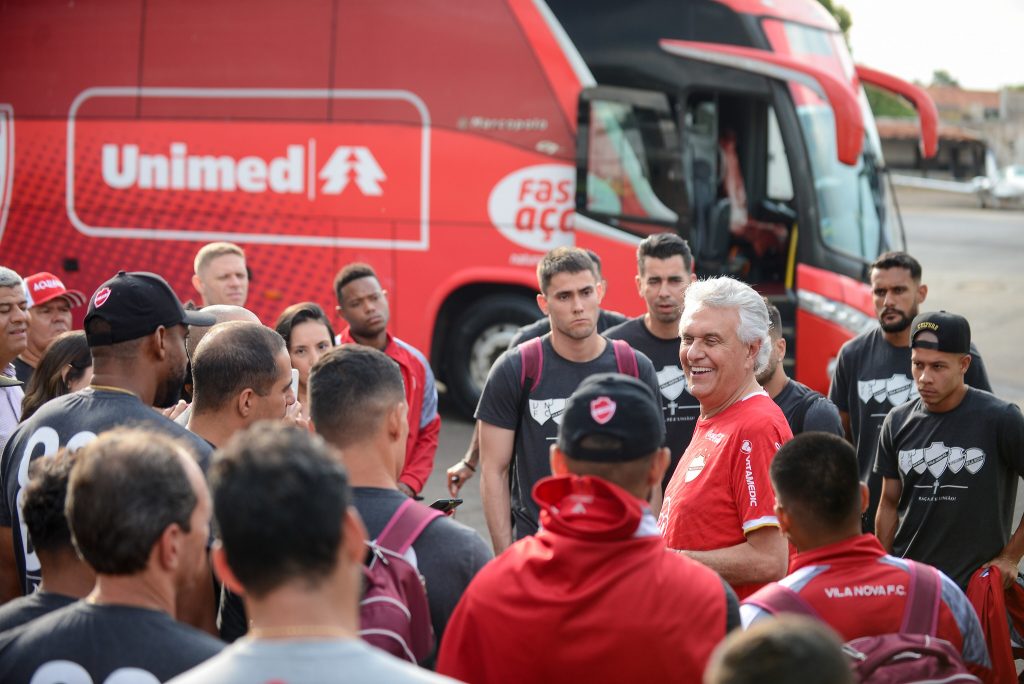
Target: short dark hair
column 279, row 496
column 127, row 486
column 350, row 388
column 232, row 357
column 789, row 649
column 663, row 246
column 301, row 313
column 43, row 505
column 898, row 260
column 774, row 320
column 817, row 473
column 69, row 349
column 352, row 272
column 564, row 260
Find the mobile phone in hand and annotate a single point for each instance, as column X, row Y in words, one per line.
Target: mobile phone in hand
column 295, row 382
column 446, row 505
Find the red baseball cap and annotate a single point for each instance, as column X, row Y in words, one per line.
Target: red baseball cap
column 42, row 287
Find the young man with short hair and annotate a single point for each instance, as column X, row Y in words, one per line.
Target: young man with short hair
column 65, row 577
column 871, row 374
column 518, row 422
column 357, row 403
column 292, row 543
column 364, row 306
column 950, row 462
column 819, row 501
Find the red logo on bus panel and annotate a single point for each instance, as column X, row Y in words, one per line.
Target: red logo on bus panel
column 248, row 175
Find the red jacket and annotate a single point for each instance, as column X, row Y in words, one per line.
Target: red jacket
column 859, row 590
column 998, row 609
column 593, row 597
column 424, row 420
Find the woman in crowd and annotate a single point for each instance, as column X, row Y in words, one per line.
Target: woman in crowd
column 308, row 334
column 66, row 366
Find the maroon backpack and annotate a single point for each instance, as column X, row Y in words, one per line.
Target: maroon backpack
column 914, row 654
column 532, row 356
column 394, row 614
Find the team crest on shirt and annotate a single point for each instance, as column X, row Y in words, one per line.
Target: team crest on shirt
column 544, row 409
column 602, row 410
column 896, row 390
column 937, row 458
column 695, row 468
column 671, row 382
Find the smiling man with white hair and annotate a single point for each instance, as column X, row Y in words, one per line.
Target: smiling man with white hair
column 719, row 504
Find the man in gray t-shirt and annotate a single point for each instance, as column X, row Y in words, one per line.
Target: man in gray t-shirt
column 805, row 409
column 518, row 424
column 293, row 544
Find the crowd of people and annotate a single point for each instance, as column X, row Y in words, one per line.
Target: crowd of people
column 192, row 495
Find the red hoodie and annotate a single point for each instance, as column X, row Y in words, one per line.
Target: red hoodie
column 593, row 597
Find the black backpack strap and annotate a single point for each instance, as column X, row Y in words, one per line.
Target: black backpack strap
column 921, row 615
column 625, row 358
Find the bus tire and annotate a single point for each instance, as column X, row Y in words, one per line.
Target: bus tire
column 481, row 333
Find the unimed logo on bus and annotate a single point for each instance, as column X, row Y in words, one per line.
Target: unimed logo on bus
column 208, row 164
column 124, row 166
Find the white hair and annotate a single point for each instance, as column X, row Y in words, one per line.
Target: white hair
column 729, row 293
column 9, row 278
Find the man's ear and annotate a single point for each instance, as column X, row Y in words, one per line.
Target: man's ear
column 783, row 517
column 780, row 348
column 219, row 560
column 197, row 284
column 167, row 549
column 244, row 402
column 353, row 536
column 659, row 464
column 542, row 303
column 639, row 285
column 865, row 498
column 965, row 363
column 922, row 293
column 557, row 460
column 398, row 417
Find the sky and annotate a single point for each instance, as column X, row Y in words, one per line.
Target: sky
column 978, row 41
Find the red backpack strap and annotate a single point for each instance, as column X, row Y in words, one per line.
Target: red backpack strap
column 921, row 615
column 776, row 599
column 406, row 525
column 532, row 356
column 625, row 358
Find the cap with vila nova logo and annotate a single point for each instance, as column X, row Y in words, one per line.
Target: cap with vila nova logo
column 43, row 287
column 941, row 331
column 132, row 305
column 618, row 407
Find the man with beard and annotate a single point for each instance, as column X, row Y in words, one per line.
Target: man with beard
column 805, row 409
column 872, row 370
column 136, row 329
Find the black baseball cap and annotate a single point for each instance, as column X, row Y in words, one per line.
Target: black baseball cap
column 616, row 406
column 949, row 332
column 134, row 305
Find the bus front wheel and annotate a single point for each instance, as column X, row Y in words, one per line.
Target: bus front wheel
column 481, row 333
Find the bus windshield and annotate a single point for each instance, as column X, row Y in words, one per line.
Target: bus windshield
column 852, row 201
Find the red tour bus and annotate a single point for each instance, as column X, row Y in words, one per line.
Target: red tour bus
column 449, row 144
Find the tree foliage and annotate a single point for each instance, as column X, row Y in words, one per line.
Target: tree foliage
column 884, row 103
column 841, row 15
column 941, row 77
